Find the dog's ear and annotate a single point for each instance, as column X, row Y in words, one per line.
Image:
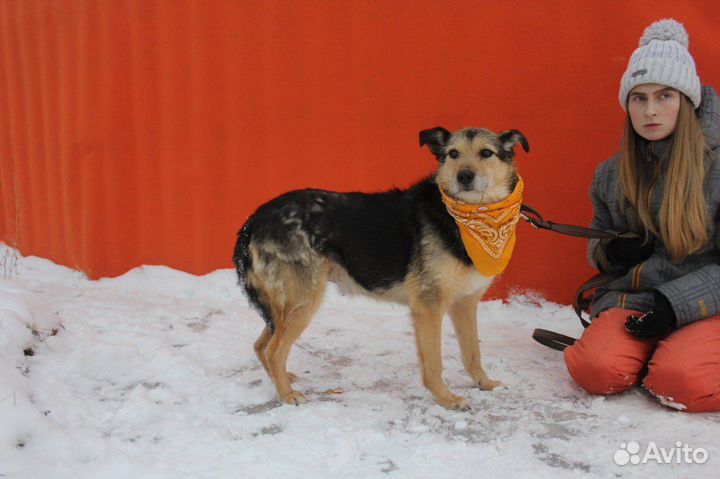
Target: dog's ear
column 510, row 138
column 436, row 139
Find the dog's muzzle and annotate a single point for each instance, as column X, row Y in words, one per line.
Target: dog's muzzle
column 465, row 178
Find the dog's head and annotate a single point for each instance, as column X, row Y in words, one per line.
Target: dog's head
column 476, row 165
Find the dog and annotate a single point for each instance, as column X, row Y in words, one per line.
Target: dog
column 400, row 245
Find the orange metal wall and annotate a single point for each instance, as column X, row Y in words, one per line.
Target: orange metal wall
column 144, row 132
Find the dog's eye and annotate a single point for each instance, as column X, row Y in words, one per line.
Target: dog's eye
column 453, row 154
column 486, row 153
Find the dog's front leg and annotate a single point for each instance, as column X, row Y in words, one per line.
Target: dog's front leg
column 428, row 326
column 464, row 317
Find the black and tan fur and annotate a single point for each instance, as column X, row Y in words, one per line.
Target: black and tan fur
column 399, row 245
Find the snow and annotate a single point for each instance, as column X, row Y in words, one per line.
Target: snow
column 153, row 374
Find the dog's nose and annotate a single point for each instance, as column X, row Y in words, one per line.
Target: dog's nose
column 465, row 177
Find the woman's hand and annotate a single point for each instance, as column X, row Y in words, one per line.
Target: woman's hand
column 659, row 321
column 630, row 252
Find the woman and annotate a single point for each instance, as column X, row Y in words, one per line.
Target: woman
column 659, row 323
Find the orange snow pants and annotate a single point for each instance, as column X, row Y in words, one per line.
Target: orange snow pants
column 683, row 369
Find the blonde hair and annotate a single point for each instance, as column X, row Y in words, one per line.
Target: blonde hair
column 683, row 219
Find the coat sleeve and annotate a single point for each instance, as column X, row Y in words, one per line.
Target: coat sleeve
column 597, row 249
column 696, row 295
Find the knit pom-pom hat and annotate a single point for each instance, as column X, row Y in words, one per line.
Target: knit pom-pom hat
column 662, row 58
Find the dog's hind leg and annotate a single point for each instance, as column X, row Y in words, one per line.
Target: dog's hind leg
column 428, row 327
column 302, row 298
column 260, row 345
column 464, row 318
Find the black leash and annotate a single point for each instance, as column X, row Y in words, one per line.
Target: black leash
column 536, row 220
column 552, row 339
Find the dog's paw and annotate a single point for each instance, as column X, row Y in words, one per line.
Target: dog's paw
column 453, row 402
column 294, row 397
column 490, row 384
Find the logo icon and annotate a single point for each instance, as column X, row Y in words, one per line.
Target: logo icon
column 627, row 453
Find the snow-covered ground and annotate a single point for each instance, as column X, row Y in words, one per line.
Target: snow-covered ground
column 153, row 374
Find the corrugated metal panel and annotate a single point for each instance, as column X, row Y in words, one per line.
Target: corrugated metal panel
column 146, row 131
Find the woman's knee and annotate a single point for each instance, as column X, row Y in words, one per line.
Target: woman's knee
column 599, row 375
column 607, row 359
column 684, row 371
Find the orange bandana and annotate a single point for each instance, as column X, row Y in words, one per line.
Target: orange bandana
column 487, row 231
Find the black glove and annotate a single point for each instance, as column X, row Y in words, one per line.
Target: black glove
column 629, row 252
column 657, row 322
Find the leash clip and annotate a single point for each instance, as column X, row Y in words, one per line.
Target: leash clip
column 529, row 220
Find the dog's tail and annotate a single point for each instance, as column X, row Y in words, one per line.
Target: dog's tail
column 244, row 266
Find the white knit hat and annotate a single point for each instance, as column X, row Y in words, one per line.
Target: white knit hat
column 662, row 58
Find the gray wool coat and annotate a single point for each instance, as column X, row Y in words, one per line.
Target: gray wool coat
column 692, row 286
